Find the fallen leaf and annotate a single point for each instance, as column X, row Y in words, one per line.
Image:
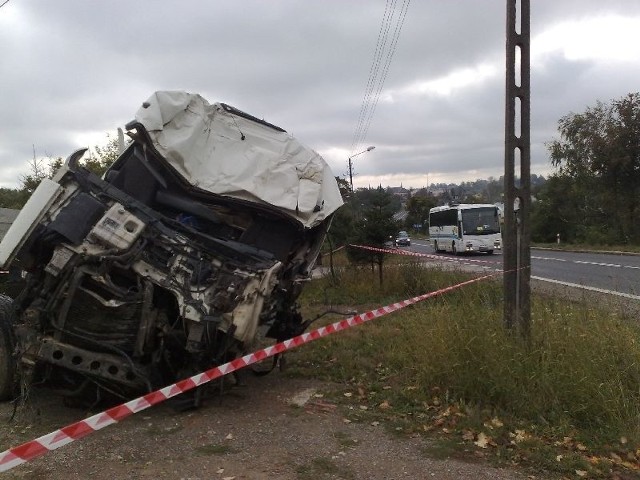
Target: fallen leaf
column 581, row 473
column 384, row 405
column 496, row 422
column 559, row 458
column 581, row 447
column 519, row 436
column 482, row 440
column 493, row 423
column 348, row 394
column 468, row 435
column 220, row 471
column 623, row 440
column 630, row 465
column 229, row 437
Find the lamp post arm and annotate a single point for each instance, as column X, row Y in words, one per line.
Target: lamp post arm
column 368, row 149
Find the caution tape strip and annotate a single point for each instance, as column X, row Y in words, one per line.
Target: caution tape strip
column 46, row 443
column 397, row 251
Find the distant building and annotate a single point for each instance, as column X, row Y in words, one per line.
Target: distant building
column 7, row 216
column 400, row 191
column 438, row 191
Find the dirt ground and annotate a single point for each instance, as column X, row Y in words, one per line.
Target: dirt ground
column 274, row 427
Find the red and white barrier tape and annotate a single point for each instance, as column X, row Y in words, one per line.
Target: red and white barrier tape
column 46, row 443
column 397, row 251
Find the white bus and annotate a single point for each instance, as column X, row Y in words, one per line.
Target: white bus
column 465, row 227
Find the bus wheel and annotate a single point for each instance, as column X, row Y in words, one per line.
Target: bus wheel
column 7, row 362
column 490, row 252
column 453, row 248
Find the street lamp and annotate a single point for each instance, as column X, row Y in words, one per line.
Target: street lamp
column 351, row 165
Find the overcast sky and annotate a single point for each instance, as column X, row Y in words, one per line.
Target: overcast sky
column 71, row 72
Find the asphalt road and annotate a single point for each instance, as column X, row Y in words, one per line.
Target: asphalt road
column 608, row 273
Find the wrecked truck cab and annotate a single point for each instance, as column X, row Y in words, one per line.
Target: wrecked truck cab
column 195, row 243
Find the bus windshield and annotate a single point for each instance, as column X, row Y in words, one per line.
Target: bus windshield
column 480, row 221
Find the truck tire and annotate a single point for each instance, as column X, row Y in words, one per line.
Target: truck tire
column 7, row 344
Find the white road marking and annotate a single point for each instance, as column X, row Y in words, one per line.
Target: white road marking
column 549, row 258
column 421, row 244
column 582, row 262
column 585, row 287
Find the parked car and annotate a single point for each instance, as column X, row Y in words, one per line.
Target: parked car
column 194, row 245
column 402, row 239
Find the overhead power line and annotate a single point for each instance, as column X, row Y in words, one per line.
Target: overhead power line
column 378, row 75
column 373, row 71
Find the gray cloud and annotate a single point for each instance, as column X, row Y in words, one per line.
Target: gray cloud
column 73, row 68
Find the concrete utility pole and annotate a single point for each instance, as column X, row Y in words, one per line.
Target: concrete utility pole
column 517, row 203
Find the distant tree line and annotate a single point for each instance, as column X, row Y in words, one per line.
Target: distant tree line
column 40, row 168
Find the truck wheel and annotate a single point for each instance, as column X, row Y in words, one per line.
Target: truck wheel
column 7, row 344
column 262, row 341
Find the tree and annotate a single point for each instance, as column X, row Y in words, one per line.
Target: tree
column 106, row 155
column 418, row 209
column 556, row 211
column 38, row 171
column 344, row 187
column 12, row 198
column 41, row 168
column 600, row 151
column 374, row 228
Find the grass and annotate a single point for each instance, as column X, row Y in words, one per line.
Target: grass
column 568, row 399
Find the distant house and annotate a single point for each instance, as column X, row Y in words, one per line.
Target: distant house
column 7, row 216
